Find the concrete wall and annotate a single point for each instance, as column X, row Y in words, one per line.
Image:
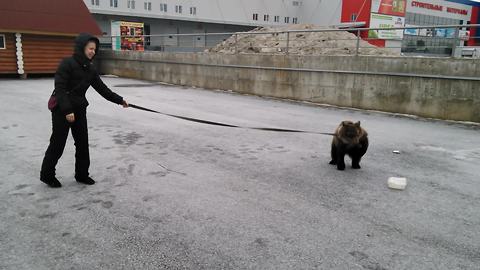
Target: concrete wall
column 429, row 87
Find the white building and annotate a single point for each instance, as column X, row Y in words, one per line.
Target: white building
column 220, row 16
column 207, row 16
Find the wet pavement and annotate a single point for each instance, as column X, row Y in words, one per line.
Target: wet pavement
column 173, row 194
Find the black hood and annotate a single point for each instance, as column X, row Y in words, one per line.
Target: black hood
column 80, row 43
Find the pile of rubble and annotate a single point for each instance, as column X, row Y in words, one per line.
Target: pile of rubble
column 300, row 43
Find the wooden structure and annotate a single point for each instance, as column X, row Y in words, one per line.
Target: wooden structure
column 38, row 36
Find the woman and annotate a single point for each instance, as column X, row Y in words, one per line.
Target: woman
column 74, row 76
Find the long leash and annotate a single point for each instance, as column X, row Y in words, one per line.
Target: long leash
column 206, row 122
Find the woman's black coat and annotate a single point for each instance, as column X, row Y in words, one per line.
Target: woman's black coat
column 75, row 75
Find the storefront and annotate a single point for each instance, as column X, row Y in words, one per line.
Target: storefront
column 435, row 12
column 404, row 13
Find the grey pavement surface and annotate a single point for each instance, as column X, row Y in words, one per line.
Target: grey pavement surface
column 172, row 194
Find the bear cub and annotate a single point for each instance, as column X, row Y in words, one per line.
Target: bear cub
column 349, row 139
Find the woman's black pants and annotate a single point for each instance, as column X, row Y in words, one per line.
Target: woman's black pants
column 60, row 130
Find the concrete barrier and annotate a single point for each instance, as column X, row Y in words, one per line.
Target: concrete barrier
column 439, row 88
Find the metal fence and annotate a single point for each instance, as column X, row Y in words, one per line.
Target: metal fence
column 437, row 40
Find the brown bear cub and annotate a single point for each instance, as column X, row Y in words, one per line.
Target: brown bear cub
column 351, row 139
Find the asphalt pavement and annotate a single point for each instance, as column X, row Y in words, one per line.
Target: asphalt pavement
column 173, row 194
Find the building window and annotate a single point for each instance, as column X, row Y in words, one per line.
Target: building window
column 193, row 11
column 95, row 2
column 296, row 3
column 147, row 5
column 114, row 3
column 163, row 7
column 276, row 18
column 287, row 19
column 354, row 17
column 2, row 42
column 146, row 28
column 255, row 17
column 295, row 20
column 178, row 9
column 266, row 18
column 131, row 4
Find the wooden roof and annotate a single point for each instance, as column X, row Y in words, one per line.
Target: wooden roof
column 53, row 17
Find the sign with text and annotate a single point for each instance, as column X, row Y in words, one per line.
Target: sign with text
column 386, row 21
column 440, row 8
column 390, row 7
column 127, row 36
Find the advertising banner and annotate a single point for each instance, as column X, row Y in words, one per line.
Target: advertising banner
column 390, row 7
column 464, row 35
column 115, row 32
column 411, row 32
column 131, row 36
column 440, row 32
column 450, row 33
column 386, row 21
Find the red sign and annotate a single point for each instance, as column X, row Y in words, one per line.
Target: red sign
column 439, row 8
column 427, row 6
column 393, row 7
column 457, row 11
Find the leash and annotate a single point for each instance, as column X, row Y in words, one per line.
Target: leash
column 206, row 122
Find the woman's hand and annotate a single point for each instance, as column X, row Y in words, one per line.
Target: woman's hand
column 70, row 117
column 125, row 104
